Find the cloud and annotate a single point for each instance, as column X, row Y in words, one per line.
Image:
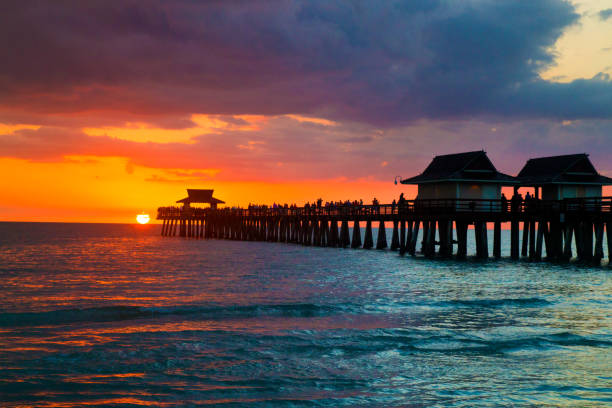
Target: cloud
column 382, row 63
column 351, row 150
column 605, row 14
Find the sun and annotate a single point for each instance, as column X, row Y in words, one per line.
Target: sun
column 143, row 218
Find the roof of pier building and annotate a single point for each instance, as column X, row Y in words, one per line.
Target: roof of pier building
column 200, row 196
column 566, row 169
column 472, row 167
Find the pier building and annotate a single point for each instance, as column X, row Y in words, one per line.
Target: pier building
column 561, row 177
column 469, row 175
column 199, row 196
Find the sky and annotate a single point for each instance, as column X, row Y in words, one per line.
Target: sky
column 108, row 109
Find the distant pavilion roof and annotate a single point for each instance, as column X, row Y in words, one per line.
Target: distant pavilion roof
column 200, row 196
column 566, row 169
column 462, row 167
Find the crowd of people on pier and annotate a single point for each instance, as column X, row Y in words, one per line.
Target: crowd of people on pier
column 516, row 204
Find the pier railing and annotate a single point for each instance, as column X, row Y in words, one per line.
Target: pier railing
column 420, row 207
column 552, row 224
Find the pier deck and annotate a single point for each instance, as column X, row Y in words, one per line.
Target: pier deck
column 552, row 225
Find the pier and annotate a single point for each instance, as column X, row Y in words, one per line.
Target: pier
column 537, row 227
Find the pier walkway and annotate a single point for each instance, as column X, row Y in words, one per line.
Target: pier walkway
column 546, row 225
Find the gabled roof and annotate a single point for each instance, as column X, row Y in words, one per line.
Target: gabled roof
column 200, row 196
column 566, row 169
column 469, row 167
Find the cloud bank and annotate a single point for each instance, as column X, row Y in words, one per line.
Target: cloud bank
column 400, row 79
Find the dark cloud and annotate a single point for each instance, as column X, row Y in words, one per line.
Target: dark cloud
column 605, row 14
column 384, row 63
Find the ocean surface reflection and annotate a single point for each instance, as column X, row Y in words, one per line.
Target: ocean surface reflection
column 113, row 315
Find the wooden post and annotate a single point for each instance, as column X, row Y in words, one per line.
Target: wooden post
column 497, row 240
column 307, row 233
column 478, row 239
column 324, row 233
column 554, row 250
column 430, row 243
column 514, row 239
column 316, row 232
column 567, row 240
column 381, row 239
column 333, row 239
column 356, row 241
column 599, row 233
column 485, row 240
column 425, row 236
column 462, row 234
column 609, row 237
column 532, row 238
column 442, row 224
column 163, row 228
column 395, row 237
column 588, row 241
column 542, row 226
column 414, row 238
column 402, row 245
column 344, row 234
column 368, row 241
column 525, row 238
column 448, row 233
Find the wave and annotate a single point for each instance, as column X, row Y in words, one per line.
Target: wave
column 492, row 303
column 118, row 313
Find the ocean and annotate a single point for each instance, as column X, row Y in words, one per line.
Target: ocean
column 115, row 315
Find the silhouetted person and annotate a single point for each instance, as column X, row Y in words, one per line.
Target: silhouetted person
column 504, row 203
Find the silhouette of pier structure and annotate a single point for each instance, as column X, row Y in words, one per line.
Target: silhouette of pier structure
column 450, row 204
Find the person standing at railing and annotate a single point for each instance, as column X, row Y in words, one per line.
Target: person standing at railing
column 400, row 204
column 504, row 203
column 516, row 202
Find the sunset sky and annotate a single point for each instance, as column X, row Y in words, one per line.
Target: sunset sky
column 108, row 109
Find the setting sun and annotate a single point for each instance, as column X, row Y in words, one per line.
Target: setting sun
column 143, row 218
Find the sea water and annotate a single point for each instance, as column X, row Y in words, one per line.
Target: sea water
column 115, row 315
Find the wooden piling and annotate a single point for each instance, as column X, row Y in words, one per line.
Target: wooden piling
column 368, row 241
column 395, row 237
column 425, row 236
column 599, row 234
column 402, row 243
column 567, row 242
column 356, row 241
column 542, row 226
column 333, row 238
column 609, row 238
column 344, row 235
column 497, row 240
column 462, row 234
column 514, row 239
column 413, row 240
column 525, row 238
column 588, row 241
column 324, row 229
column 532, row 240
column 430, row 242
column 381, row 239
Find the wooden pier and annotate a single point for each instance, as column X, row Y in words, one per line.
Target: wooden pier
column 548, row 227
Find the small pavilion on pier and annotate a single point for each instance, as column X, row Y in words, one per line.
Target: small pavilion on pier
column 560, row 177
column 469, row 175
column 199, row 196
